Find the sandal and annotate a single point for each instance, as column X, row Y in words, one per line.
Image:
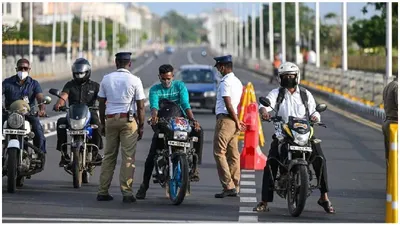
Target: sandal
column 327, row 205
column 261, row 207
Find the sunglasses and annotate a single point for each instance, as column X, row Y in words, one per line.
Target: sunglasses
column 22, row 68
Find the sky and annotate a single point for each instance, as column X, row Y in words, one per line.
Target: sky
column 160, row 8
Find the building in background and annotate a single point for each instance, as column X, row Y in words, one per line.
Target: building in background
column 12, row 14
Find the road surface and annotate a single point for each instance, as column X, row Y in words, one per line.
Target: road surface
column 354, row 152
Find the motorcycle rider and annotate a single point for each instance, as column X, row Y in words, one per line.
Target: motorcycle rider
column 23, row 87
column 291, row 105
column 174, row 91
column 80, row 90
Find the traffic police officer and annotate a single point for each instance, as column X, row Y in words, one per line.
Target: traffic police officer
column 227, row 128
column 119, row 91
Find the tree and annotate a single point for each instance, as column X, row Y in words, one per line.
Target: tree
column 372, row 33
column 187, row 30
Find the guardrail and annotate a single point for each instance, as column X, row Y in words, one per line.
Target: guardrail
column 357, row 90
column 391, row 179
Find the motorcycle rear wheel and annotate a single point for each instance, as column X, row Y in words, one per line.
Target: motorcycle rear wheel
column 297, row 193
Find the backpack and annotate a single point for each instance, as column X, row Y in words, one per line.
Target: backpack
column 303, row 95
column 169, row 109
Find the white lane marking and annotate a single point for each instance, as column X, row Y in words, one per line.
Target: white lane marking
column 247, row 190
column 248, row 171
column 101, row 220
column 247, row 183
column 190, row 59
column 248, row 219
column 248, row 175
column 139, row 68
column 246, row 210
column 50, row 134
column 248, row 199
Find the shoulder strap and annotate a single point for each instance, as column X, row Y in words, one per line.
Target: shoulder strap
column 304, row 99
column 279, row 100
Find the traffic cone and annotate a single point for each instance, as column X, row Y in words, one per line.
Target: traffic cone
column 252, row 157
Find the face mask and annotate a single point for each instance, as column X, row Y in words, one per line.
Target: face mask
column 288, row 82
column 165, row 83
column 23, row 74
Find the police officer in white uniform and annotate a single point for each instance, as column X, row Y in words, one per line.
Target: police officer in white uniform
column 227, row 128
column 120, row 90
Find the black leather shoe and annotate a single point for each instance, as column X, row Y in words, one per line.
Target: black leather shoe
column 128, row 199
column 141, row 194
column 104, row 198
column 225, row 193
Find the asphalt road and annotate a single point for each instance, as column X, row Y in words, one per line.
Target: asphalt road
column 354, row 152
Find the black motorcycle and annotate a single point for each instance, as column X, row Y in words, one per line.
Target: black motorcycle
column 294, row 178
column 177, row 160
column 80, row 131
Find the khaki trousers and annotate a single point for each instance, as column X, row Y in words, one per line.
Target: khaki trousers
column 119, row 130
column 226, row 152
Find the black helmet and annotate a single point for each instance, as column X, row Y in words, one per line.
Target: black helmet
column 81, row 70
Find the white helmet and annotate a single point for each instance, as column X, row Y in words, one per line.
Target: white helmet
column 289, row 68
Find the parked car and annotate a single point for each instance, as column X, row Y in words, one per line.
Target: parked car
column 202, row 82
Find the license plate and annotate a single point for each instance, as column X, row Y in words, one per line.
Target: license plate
column 298, row 148
column 76, row 132
column 195, row 104
column 179, row 144
column 12, row 131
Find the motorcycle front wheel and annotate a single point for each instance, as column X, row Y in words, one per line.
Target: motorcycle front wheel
column 178, row 184
column 12, row 169
column 297, row 190
column 76, row 171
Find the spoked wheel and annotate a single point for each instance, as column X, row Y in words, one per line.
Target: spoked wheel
column 297, row 190
column 178, row 184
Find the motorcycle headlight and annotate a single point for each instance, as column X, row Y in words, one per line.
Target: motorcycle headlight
column 15, row 120
column 300, row 139
column 77, row 124
column 180, row 135
column 209, row 94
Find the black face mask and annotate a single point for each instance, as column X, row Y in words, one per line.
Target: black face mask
column 288, row 82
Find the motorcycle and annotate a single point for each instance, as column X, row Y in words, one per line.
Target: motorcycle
column 294, row 177
column 21, row 159
column 175, row 163
column 80, row 163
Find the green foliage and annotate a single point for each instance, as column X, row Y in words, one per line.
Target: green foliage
column 144, row 36
column 372, row 32
column 186, row 30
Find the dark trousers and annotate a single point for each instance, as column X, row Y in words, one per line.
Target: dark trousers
column 267, row 194
column 39, row 140
column 157, row 143
column 62, row 133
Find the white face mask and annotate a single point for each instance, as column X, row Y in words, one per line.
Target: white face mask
column 23, row 74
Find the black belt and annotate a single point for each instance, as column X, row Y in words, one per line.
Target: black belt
column 391, row 118
column 220, row 115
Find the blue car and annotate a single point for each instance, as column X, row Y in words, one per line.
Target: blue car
column 169, row 50
column 202, row 82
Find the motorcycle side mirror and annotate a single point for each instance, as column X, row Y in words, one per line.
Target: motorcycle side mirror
column 264, row 101
column 47, row 100
column 321, row 107
column 55, row 92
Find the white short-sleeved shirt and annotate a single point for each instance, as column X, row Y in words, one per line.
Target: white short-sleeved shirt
column 291, row 104
column 120, row 88
column 230, row 86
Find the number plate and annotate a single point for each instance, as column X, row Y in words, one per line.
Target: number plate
column 179, row 144
column 76, row 132
column 195, row 104
column 298, row 148
column 12, row 131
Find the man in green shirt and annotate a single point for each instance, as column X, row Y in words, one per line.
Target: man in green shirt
column 174, row 91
